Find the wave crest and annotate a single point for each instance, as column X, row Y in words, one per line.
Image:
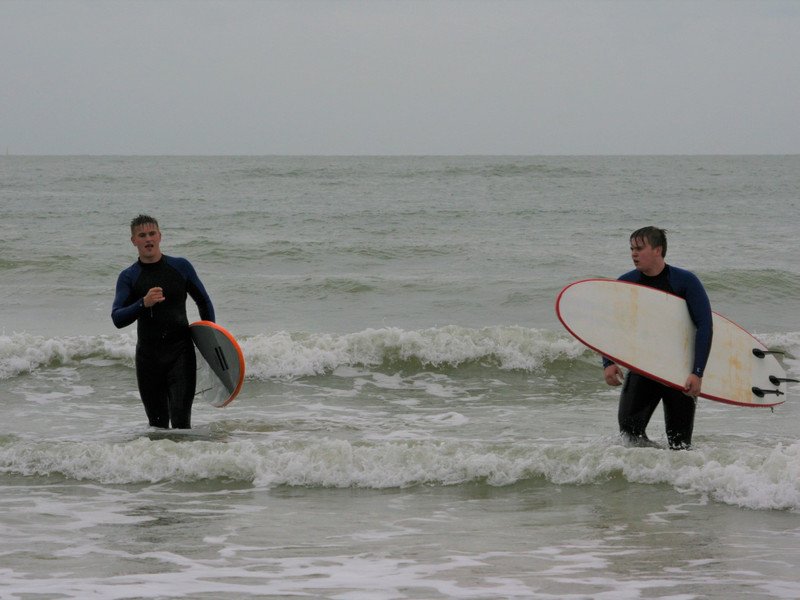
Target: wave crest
column 290, row 355
column 24, row 353
column 765, row 478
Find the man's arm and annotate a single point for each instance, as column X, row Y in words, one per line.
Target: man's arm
column 122, row 313
column 197, row 290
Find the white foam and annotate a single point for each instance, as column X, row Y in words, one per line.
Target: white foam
column 24, row 353
column 788, row 342
column 347, row 577
column 745, row 475
column 290, row 355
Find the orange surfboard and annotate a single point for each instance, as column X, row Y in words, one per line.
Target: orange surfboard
column 220, row 373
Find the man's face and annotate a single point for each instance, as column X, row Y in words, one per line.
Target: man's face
column 646, row 259
column 147, row 239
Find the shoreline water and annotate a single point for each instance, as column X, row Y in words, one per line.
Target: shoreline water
column 415, row 423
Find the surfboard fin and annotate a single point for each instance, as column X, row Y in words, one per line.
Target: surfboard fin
column 761, row 393
column 778, row 380
column 759, row 353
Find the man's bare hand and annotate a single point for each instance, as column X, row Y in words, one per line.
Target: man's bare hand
column 692, row 386
column 613, row 375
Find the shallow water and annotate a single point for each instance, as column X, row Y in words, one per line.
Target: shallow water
column 415, row 423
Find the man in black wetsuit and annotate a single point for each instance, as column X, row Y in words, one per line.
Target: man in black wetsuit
column 153, row 292
column 641, row 395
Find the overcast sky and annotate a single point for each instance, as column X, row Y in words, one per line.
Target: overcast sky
column 396, row 77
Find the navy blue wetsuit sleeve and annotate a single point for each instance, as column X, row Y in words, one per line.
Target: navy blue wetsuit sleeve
column 195, row 288
column 126, row 308
column 687, row 285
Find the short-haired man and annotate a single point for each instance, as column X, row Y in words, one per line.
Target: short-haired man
column 152, row 292
column 640, row 395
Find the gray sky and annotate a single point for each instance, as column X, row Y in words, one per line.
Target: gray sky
column 395, row 77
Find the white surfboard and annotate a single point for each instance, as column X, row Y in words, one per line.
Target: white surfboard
column 220, row 364
column 650, row 332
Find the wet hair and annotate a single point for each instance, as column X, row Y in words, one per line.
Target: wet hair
column 143, row 220
column 657, row 238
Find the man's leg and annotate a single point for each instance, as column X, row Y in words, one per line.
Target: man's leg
column 637, row 402
column 679, row 412
column 182, row 378
column 152, row 387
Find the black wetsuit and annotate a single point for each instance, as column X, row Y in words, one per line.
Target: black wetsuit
column 640, row 395
column 166, row 368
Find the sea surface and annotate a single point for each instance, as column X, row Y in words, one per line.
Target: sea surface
column 415, row 423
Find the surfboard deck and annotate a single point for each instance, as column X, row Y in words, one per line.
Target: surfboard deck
column 220, row 372
column 649, row 331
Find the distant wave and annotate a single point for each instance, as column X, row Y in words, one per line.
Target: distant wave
column 759, row 478
column 332, row 169
column 753, row 283
column 287, row 355
column 509, row 168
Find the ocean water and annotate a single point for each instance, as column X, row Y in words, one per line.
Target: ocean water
column 415, row 423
